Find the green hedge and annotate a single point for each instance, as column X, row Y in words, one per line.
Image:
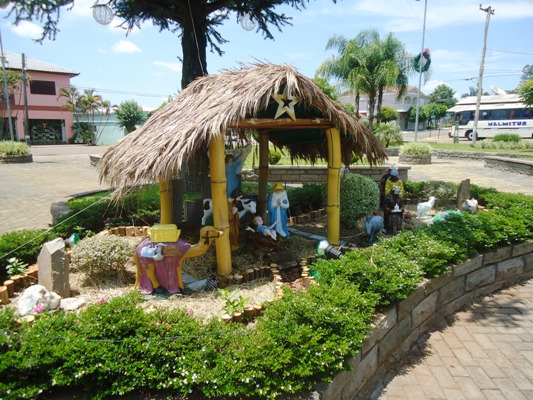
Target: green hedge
column 116, row 348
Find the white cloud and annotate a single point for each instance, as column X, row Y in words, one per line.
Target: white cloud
column 125, row 46
column 172, row 66
column 28, row 30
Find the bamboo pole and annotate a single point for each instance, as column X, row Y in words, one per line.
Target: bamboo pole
column 165, row 199
column 334, row 185
column 263, row 175
column 220, row 204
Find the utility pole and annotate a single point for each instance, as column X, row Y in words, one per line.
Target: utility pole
column 489, row 10
column 420, row 72
column 26, row 121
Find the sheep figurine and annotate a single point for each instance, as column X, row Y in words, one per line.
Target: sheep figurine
column 373, row 224
column 423, row 209
column 470, row 205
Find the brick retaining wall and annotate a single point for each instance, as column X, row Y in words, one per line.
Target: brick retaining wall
column 318, row 173
column 396, row 330
column 511, row 165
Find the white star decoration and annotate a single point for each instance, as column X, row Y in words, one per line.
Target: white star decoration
column 285, row 104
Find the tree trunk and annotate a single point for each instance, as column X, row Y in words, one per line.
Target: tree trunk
column 380, row 103
column 194, row 45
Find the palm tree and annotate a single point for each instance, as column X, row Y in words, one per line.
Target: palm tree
column 129, row 114
column 368, row 65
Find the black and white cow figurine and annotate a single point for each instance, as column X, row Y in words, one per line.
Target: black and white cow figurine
column 244, row 205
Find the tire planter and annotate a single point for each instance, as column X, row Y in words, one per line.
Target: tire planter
column 422, row 159
column 13, row 159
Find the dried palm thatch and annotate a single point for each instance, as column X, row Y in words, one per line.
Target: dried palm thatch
column 237, row 101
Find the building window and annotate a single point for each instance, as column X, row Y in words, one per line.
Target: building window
column 43, row 87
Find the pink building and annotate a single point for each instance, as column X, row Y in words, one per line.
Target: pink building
column 48, row 121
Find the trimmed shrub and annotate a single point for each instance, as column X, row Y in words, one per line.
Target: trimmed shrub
column 507, row 137
column 306, row 198
column 101, row 255
column 415, row 149
column 359, row 197
column 11, row 148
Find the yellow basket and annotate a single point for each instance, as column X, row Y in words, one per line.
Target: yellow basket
column 164, row 233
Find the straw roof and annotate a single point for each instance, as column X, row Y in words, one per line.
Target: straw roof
column 236, row 101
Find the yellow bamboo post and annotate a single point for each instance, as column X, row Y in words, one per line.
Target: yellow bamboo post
column 263, row 175
column 220, row 204
column 165, row 200
column 334, row 185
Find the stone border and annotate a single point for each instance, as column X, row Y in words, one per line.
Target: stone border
column 510, row 165
column 402, row 324
column 474, row 154
column 16, row 159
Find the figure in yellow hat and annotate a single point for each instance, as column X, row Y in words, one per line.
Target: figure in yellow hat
column 277, row 206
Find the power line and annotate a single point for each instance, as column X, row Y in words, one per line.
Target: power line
column 511, row 52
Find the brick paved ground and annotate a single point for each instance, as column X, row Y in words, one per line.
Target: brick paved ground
column 484, row 352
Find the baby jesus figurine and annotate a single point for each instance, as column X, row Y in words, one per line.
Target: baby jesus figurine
column 264, row 229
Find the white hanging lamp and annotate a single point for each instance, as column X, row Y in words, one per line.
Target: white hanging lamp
column 103, row 14
column 246, row 21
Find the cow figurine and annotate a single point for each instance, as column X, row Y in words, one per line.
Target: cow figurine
column 244, row 205
column 423, row 209
column 373, row 225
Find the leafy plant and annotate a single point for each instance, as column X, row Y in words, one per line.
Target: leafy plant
column 15, row 267
column 388, row 133
column 102, row 254
column 11, row 148
column 415, row 149
column 232, row 304
column 359, row 197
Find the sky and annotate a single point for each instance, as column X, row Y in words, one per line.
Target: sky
column 145, row 65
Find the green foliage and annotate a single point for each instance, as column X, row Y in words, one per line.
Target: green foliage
column 525, row 90
column 306, row 198
column 525, row 144
column 273, row 156
column 10, row 148
column 97, row 212
column 129, row 114
column 25, row 245
column 359, row 197
column 443, row 94
column 101, row 255
column 415, row 149
column 507, row 137
column 232, row 304
column 387, row 114
column 388, row 133
column 328, row 89
column 15, row 267
column 390, row 275
column 423, row 114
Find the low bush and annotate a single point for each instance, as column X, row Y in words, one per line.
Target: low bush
column 306, row 198
column 359, row 197
column 445, row 192
column 11, row 148
column 101, row 255
column 415, row 149
column 388, row 133
column 507, row 137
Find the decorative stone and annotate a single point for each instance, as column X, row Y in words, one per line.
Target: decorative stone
column 416, row 160
column 54, row 267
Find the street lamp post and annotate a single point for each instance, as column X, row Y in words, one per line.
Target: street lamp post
column 420, row 71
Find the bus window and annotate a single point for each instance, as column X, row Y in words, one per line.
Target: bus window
column 484, row 115
column 464, row 116
column 499, row 114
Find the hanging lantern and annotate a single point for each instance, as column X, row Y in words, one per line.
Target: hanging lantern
column 102, row 14
column 246, row 21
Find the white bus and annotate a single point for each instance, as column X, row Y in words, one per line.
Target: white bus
column 504, row 113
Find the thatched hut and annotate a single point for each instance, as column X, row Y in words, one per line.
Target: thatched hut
column 283, row 106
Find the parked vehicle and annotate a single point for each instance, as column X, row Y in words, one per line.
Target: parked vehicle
column 503, row 113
